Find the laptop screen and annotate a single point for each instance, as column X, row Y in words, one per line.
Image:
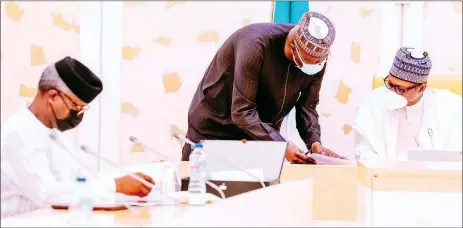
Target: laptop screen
column 233, row 160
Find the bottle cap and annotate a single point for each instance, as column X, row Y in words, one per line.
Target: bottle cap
column 81, row 179
column 198, row 145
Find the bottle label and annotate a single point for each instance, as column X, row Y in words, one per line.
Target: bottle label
column 197, row 183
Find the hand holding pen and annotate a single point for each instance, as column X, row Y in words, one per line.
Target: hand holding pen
column 319, row 149
column 296, row 155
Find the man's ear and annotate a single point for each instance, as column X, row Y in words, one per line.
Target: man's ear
column 51, row 94
column 423, row 87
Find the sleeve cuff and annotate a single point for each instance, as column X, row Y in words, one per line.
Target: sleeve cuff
column 367, row 155
column 314, row 138
column 110, row 183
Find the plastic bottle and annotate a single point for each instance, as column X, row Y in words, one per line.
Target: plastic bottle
column 197, row 184
column 170, row 181
column 80, row 211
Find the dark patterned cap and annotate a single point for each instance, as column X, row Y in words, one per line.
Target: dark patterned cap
column 315, row 34
column 411, row 65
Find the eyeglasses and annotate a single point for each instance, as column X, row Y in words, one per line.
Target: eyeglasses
column 396, row 88
column 80, row 109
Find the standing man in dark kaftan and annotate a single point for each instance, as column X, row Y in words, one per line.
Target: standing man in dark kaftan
column 258, row 75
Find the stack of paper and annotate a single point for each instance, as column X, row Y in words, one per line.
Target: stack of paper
column 325, row 160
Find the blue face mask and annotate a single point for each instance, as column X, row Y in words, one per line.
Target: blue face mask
column 309, row 69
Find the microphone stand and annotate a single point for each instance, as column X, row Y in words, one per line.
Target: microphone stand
column 54, row 137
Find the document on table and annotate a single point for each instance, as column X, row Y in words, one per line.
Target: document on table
column 148, row 200
column 151, row 200
column 325, row 160
column 99, row 201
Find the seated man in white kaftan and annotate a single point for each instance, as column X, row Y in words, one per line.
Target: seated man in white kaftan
column 405, row 114
column 35, row 171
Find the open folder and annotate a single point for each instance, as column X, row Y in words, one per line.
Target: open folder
column 326, row 160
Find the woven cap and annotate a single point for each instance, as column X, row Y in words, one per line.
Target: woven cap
column 411, row 65
column 315, row 34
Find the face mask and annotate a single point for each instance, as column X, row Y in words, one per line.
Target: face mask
column 309, row 69
column 70, row 122
column 417, row 96
column 393, row 101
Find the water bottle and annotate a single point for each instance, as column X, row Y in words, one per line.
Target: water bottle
column 170, row 182
column 197, row 185
column 80, row 211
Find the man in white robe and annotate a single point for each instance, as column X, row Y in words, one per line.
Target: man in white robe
column 35, row 171
column 405, row 114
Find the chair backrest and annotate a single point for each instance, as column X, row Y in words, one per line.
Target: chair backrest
column 453, row 83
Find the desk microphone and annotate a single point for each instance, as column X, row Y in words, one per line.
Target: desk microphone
column 182, row 138
column 212, row 185
column 55, row 139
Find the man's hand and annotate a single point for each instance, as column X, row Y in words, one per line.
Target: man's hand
column 319, row 149
column 297, row 156
column 129, row 186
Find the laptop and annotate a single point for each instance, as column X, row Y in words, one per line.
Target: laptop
column 434, row 155
column 226, row 160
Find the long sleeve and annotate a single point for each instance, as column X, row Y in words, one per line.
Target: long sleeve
column 248, row 64
column 363, row 150
column 367, row 129
column 454, row 140
column 306, row 113
column 31, row 178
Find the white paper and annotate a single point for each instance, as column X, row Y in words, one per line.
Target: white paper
column 238, row 175
column 326, row 160
column 137, row 201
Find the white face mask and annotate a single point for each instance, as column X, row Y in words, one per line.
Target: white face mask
column 309, row 69
column 393, row 101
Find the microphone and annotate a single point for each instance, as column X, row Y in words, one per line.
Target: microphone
column 54, row 137
column 183, row 138
column 430, row 133
column 212, row 185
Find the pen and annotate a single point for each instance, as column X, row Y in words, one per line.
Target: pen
column 308, row 153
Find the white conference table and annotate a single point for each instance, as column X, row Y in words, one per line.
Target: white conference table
column 327, row 196
column 256, row 208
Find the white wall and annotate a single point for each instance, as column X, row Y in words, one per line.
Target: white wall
column 90, row 55
column 100, row 49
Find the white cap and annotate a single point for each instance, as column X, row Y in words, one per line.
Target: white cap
column 317, row 28
column 417, row 53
